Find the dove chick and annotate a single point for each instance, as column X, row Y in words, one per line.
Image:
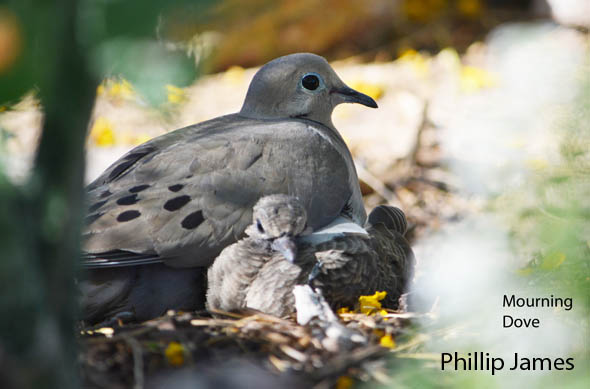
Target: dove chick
column 260, row 271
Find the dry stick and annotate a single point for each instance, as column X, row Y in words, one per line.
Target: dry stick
column 378, row 186
column 137, row 361
column 341, row 363
column 418, row 144
column 118, row 337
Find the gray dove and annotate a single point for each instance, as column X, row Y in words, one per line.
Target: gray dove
column 180, row 198
column 260, row 271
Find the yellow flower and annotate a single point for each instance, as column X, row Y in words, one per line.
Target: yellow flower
column 343, row 310
column 474, row 79
column 100, row 89
column 176, row 95
column 373, row 90
column 115, row 89
column 371, row 304
column 102, row 133
column 121, row 89
column 387, row 341
column 175, row 354
column 416, row 61
column 234, row 75
column 552, row 260
column 344, row 382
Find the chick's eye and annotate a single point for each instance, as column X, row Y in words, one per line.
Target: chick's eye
column 310, row 81
column 259, row 226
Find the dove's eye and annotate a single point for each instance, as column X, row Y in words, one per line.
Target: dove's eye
column 311, row 81
column 259, row 226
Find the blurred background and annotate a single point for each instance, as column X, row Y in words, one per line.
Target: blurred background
column 482, row 137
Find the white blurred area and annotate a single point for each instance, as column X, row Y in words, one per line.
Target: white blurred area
column 494, row 139
column 493, row 142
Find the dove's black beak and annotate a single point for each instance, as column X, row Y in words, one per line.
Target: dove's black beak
column 286, row 246
column 349, row 95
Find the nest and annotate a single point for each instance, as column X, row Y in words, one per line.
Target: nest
column 139, row 355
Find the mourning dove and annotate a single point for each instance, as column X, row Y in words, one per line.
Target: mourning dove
column 260, row 271
column 180, row 198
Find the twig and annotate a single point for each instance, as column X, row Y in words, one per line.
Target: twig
column 378, row 186
column 137, row 361
column 418, row 144
column 339, row 364
column 118, row 337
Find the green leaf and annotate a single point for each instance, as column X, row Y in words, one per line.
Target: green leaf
column 147, row 64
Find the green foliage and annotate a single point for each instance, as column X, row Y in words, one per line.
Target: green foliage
column 119, row 37
column 557, row 216
column 147, row 64
column 51, row 47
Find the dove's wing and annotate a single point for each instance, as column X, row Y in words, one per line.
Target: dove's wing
column 182, row 197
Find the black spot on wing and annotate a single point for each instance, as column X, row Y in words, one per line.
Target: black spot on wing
column 104, row 194
column 139, row 188
column 128, row 200
column 193, row 220
column 128, row 161
column 128, row 215
column 175, row 188
column 176, row 203
column 92, row 218
column 94, row 207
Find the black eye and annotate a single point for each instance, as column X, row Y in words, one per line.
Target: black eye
column 259, row 226
column 310, row 81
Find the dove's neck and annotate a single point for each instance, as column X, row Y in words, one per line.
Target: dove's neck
column 268, row 114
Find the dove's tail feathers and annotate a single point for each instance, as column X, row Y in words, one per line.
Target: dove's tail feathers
column 392, row 217
column 117, row 258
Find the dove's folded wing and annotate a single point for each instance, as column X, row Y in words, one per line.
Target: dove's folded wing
column 183, row 197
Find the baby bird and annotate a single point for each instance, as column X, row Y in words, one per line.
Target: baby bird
column 260, row 271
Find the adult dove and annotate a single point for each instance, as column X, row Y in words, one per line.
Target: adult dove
column 179, row 199
column 260, row 271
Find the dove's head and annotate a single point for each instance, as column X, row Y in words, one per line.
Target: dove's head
column 279, row 219
column 299, row 85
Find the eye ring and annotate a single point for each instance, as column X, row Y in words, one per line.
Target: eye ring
column 312, row 81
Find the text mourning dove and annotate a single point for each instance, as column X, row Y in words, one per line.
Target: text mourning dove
column 180, row 198
column 260, row 271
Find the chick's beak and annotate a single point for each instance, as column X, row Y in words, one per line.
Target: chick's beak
column 349, row 95
column 286, row 246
